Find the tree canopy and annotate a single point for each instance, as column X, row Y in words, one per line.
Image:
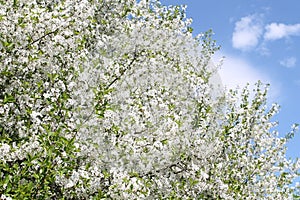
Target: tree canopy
column 113, row 99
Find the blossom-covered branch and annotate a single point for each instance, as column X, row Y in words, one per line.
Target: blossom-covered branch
column 115, row 99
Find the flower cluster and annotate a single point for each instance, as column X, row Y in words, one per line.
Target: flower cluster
column 116, row 99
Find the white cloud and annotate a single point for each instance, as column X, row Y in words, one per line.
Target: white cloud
column 247, row 32
column 237, row 72
column 275, row 31
column 250, row 33
column 288, row 62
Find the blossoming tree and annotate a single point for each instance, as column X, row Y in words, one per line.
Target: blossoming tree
column 114, row 99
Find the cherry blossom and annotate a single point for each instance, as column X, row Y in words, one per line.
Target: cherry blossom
column 117, row 99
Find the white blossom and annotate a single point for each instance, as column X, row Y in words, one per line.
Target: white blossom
column 119, row 97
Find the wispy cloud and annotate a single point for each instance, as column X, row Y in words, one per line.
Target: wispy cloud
column 247, row 32
column 288, row 62
column 275, row 31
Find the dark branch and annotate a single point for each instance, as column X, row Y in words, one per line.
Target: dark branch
column 39, row 39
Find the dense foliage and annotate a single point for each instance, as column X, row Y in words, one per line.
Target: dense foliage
column 115, row 99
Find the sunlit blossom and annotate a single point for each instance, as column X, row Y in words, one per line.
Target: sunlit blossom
column 117, row 97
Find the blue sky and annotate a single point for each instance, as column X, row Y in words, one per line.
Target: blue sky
column 260, row 40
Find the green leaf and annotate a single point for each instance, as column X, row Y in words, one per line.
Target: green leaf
column 164, row 142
